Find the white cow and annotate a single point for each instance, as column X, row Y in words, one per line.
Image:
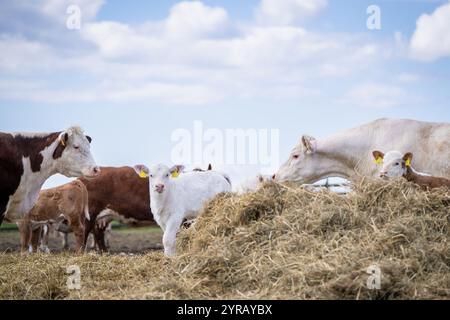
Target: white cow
column 348, row 154
column 175, row 197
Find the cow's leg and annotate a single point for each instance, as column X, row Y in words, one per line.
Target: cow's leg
column 35, row 238
column 44, row 233
column 65, row 239
column 170, row 235
column 25, row 233
column 99, row 237
column 2, row 216
column 79, row 232
column 91, row 241
column 88, row 228
column 107, row 236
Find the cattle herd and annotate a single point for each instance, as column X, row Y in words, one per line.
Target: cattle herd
column 170, row 195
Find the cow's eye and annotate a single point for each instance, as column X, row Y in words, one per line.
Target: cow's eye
column 295, row 156
column 167, row 175
column 397, row 163
column 151, row 176
column 76, row 147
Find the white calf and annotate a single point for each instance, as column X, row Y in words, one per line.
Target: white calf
column 174, row 197
column 253, row 183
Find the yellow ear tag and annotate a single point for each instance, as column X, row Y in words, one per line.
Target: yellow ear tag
column 175, row 174
column 408, row 162
column 378, row 160
column 143, row 174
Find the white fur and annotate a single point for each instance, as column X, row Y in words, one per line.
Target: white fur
column 182, row 198
column 348, row 154
column 252, row 184
column 72, row 163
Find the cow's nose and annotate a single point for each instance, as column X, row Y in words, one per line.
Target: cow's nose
column 159, row 188
column 382, row 174
column 273, row 177
column 96, row 171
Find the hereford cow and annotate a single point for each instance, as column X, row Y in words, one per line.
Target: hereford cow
column 67, row 202
column 348, row 154
column 116, row 192
column 28, row 159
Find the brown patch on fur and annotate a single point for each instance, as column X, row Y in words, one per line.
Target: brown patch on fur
column 70, row 200
column 12, row 150
column 426, row 182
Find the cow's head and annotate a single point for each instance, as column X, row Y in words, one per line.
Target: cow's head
column 302, row 164
column 160, row 175
column 73, row 155
column 392, row 164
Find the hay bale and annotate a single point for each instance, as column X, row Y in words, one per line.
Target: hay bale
column 280, row 242
column 289, row 242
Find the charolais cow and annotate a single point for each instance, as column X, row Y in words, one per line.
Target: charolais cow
column 27, row 160
column 348, row 154
column 67, row 202
column 117, row 192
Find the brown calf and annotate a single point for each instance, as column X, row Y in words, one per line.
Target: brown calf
column 69, row 201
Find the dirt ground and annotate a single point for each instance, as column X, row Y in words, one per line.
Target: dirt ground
column 122, row 240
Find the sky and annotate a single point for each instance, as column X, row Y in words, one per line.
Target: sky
column 136, row 72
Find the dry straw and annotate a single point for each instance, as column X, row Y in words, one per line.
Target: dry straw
column 281, row 242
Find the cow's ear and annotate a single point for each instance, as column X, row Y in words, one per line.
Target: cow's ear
column 142, row 170
column 378, row 156
column 309, row 143
column 408, row 158
column 62, row 143
column 89, row 139
column 176, row 169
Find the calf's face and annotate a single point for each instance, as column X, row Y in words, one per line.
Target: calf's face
column 393, row 164
column 159, row 175
column 74, row 156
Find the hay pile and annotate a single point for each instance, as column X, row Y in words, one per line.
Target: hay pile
column 281, row 242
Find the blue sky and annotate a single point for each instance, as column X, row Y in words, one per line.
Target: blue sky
column 138, row 70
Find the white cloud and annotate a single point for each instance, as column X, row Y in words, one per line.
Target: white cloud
column 196, row 55
column 194, row 19
column 406, row 77
column 285, row 12
column 373, row 95
column 431, row 39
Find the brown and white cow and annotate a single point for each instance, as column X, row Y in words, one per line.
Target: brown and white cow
column 27, row 160
column 120, row 193
column 67, row 202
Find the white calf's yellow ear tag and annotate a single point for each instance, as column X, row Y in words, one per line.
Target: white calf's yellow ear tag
column 378, row 160
column 143, row 174
column 175, row 174
column 408, row 162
